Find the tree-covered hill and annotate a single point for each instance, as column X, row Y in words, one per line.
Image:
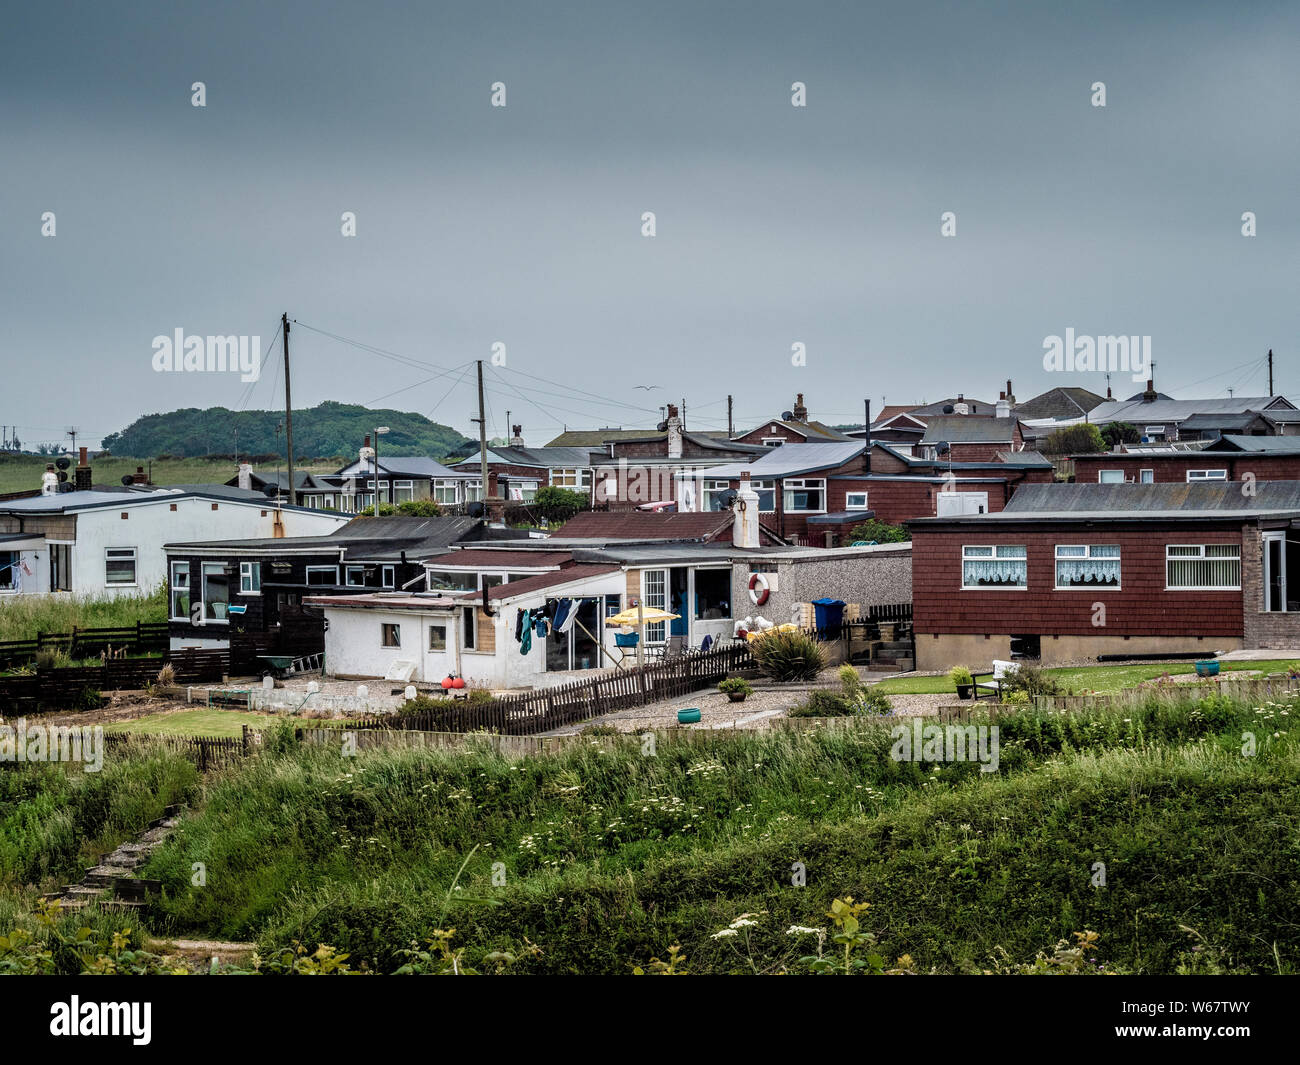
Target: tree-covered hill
column 330, row 429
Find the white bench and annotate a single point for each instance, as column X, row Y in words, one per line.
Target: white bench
column 992, row 688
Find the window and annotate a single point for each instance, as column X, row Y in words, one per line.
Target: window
column 403, row 491
column 322, row 576
column 855, row 501
column 995, row 566
column 1154, row 432
column 1197, row 566
column 216, row 592
column 179, row 591
column 773, row 441
column 1087, row 566
column 1206, row 475
column 576, row 478
column 1110, row 476
column 388, row 576
column 61, row 567
column 803, row 495
column 437, row 637
column 469, row 628
column 1147, row 476
column 712, row 594
column 119, row 565
column 473, row 491
column 8, row 571
column 521, row 491
column 444, row 491
column 391, row 635
column 766, row 492
column 714, row 495
column 655, row 585
column 250, row 578
column 448, row 581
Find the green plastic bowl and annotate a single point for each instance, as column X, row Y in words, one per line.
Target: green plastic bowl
column 688, row 717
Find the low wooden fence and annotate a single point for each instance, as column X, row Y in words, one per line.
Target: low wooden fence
column 208, row 752
column 140, row 638
column 530, row 713
column 73, row 688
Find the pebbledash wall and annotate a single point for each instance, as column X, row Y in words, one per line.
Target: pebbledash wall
column 974, row 626
column 870, row 576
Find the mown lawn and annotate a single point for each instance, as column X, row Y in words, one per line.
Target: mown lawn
column 195, row 723
column 1088, row 678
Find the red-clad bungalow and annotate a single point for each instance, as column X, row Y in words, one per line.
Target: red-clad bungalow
column 1230, row 458
column 1069, row 572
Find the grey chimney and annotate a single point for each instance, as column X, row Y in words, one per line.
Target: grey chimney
column 674, row 426
column 516, row 436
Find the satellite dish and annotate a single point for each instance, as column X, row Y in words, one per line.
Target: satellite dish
column 787, row 415
column 63, row 464
column 728, row 498
column 949, row 409
column 942, row 447
column 62, row 476
column 662, row 427
column 127, row 479
column 474, row 510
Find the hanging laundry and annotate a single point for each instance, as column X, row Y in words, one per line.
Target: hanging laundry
column 564, row 614
column 541, row 626
column 519, row 625
column 526, row 642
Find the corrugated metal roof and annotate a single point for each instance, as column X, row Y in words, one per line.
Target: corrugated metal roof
column 1139, row 499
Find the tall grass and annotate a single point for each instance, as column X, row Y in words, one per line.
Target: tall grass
column 22, row 617
column 610, row 856
column 57, row 819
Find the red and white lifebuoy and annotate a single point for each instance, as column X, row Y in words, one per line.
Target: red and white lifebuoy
column 758, row 590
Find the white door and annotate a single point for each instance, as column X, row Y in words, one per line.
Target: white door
column 954, row 504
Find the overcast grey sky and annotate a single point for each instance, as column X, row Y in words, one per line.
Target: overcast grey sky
column 522, row 224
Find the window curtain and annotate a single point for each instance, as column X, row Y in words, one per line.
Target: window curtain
column 1101, row 568
column 995, row 570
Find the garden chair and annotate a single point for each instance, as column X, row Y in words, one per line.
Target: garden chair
column 992, row 688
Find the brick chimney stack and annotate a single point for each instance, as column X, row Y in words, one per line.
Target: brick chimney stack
column 1011, row 396
column 82, row 474
column 800, row 412
column 139, row 477
column 1149, row 396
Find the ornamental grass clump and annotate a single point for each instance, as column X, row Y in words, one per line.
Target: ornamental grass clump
column 788, row 656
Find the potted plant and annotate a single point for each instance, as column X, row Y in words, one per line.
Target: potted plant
column 963, row 681
column 735, row 688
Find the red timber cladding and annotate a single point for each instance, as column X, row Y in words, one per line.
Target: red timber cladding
column 771, row 431
column 1141, row 607
column 1264, row 467
column 496, row 470
column 978, row 452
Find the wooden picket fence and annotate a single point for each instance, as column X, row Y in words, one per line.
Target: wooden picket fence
column 208, row 752
column 530, row 713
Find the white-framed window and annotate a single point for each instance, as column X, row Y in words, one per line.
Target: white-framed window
column 1146, row 476
column 1154, row 432
column 322, row 575
column 178, row 591
column 1110, row 476
column 773, row 441
column 444, row 491
column 713, row 494
column 521, row 491
column 654, row 593
column 1197, row 567
column 855, row 501
column 450, row 581
column 354, row 576
column 473, row 491
column 993, row 566
column 216, row 592
column 1206, row 475
column 250, row 578
column 119, row 565
column 388, row 576
column 804, row 495
column 390, row 635
column 575, row 478
column 60, row 567
column 1087, row 566
column 403, row 491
